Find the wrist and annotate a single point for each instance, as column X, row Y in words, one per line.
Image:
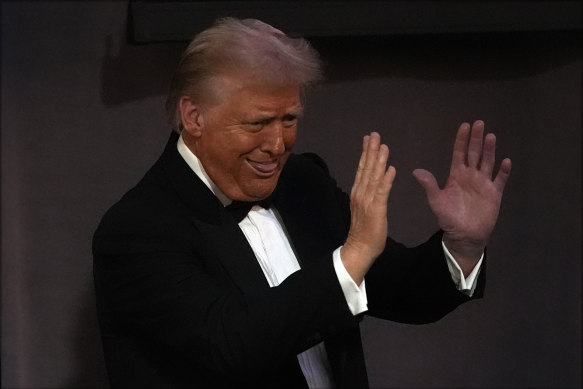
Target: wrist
column 466, row 254
column 354, row 262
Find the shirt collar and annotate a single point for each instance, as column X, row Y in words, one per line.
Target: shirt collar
column 194, row 163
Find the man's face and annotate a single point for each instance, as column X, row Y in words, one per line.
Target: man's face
column 245, row 140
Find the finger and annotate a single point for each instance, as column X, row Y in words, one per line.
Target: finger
column 383, row 190
column 379, row 169
column 373, row 149
column 388, row 178
column 475, row 146
column 503, row 174
column 370, row 160
column 489, row 155
column 427, row 181
column 460, row 147
column 361, row 162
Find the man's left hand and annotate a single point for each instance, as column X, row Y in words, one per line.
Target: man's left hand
column 467, row 207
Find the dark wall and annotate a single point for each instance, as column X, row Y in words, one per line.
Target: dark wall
column 82, row 119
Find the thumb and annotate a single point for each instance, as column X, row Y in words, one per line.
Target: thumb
column 427, row 181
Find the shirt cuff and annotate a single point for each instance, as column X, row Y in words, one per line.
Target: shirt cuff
column 466, row 285
column 355, row 295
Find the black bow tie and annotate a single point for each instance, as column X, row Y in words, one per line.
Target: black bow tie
column 240, row 209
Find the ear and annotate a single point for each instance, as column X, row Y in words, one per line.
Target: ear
column 191, row 116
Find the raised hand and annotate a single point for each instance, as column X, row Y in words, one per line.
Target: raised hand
column 368, row 207
column 468, row 205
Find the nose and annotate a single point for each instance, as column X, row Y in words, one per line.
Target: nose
column 273, row 142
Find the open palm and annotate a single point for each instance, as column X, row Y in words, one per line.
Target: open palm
column 467, row 207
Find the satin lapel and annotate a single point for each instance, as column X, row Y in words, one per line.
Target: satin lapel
column 232, row 250
column 223, row 237
column 304, row 220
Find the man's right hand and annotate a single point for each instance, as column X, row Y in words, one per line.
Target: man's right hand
column 368, row 208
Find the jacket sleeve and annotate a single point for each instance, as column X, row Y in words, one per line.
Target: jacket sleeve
column 413, row 285
column 405, row 284
column 156, row 279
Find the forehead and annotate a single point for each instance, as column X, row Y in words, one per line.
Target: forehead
column 257, row 93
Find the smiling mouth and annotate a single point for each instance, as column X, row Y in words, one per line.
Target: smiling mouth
column 263, row 169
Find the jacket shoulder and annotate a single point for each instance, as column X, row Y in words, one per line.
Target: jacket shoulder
column 146, row 216
column 306, row 165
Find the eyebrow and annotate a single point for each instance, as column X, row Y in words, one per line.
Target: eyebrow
column 296, row 112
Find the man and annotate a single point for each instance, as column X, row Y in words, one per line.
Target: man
column 191, row 294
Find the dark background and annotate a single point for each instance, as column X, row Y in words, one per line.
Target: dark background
column 82, row 119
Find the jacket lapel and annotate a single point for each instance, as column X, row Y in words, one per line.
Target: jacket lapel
column 231, row 248
column 303, row 218
column 223, row 236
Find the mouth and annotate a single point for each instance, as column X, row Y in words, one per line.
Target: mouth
column 263, row 169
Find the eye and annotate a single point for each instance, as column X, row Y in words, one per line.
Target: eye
column 256, row 125
column 289, row 121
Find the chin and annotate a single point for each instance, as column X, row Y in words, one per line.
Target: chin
column 260, row 193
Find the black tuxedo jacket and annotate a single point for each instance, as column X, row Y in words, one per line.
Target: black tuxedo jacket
column 182, row 301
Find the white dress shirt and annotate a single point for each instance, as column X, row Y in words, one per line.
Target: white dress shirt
column 270, row 244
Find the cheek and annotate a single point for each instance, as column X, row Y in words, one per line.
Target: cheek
column 289, row 138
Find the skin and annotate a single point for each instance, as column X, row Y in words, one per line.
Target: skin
column 466, row 208
column 368, row 207
column 244, row 140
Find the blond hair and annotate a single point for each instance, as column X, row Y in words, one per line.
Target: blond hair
column 231, row 46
